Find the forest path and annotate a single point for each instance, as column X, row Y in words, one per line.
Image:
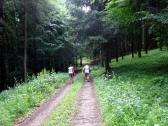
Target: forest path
column 88, row 111
column 38, row 117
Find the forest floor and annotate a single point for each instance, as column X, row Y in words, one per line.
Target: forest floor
column 87, row 112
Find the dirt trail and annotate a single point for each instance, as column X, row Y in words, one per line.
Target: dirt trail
column 43, row 112
column 88, row 108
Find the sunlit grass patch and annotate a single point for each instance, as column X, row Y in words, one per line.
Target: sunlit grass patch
column 97, row 71
column 18, row 102
column 86, row 60
column 62, row 116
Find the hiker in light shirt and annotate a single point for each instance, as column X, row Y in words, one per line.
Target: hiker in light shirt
column 71, row 72
column 87, row 71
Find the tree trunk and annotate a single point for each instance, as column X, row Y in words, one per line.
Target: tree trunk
column 3, row 52
column 25, row 42
column 146, row 41
column 35, row 64
column 102, row 63
column 4, row 66
column 138, row 40
column 160, row 46
column 122, row 49
column 145, row 37
column 132, row 46
column 101, row 56
column 143, row 34
column 116, row 51
column 139, row 49
column 146, row 47
column 76, row 61
column 81, row 61
column 122, row 56
column 107, row 61
column 1, row 46
column 107, row 66
column 1, row 9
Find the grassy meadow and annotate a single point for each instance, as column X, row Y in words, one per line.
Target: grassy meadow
column 137, row 93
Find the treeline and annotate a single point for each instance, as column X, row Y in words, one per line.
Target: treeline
column 113, row 28
column 34, row 35
column 51, row 34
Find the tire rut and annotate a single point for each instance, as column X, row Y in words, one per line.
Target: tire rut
column 39, row 116
column 88, row 113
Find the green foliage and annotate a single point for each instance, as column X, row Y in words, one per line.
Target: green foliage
column 49, row 44
column 18, row 102
column 137, row 92
column 63, row 114
column 119, row 13
column 98, row 71
column 127, row 13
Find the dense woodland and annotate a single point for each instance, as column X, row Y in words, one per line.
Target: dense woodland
column 51, row 34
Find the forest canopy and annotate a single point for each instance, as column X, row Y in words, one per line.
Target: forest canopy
column 52, row 34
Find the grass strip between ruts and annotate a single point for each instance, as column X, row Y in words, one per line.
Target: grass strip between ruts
column 62, row 116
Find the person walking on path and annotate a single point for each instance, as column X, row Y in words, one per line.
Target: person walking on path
column 71, row 72
column 87, row 70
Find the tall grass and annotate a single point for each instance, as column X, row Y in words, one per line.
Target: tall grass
column 18, row 102
column 137, row 94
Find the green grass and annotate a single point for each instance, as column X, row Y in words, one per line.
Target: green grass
column 137, row 94
column 62, row 116
column 86, row 60
column 20, row 101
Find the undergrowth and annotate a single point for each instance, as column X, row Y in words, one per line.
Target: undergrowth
column 20, row 101
column 137, row 94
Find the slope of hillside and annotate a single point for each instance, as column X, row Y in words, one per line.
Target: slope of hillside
column 24, row 98
column 137, row 94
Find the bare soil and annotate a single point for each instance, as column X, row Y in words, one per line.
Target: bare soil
column 39, row 116
column 88, row 113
